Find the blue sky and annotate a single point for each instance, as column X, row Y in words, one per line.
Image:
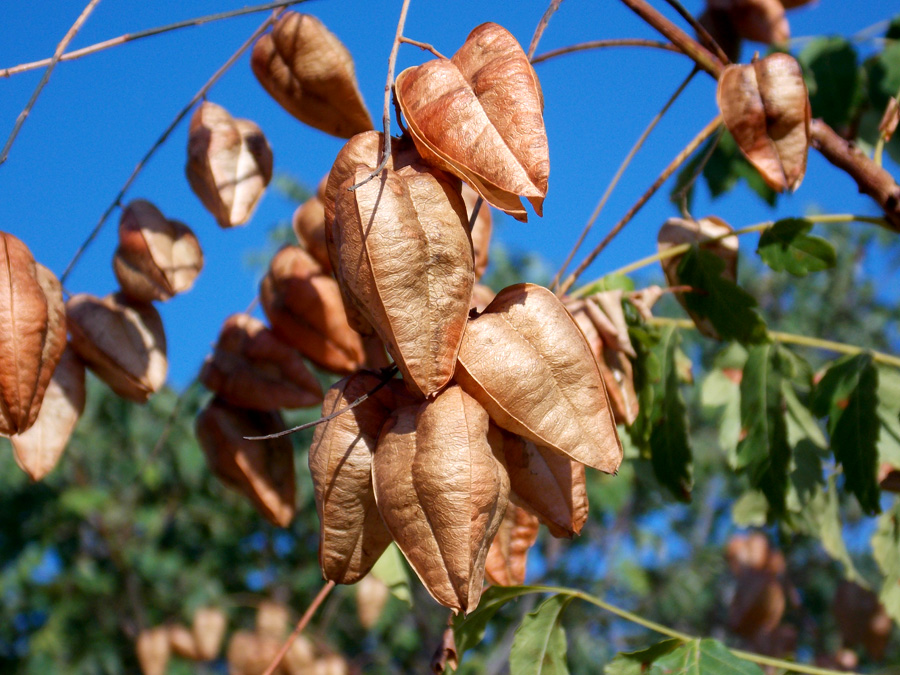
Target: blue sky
column 100, row 114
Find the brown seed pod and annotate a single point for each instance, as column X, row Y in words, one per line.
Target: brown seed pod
column 442, row 491
column 548, row 484
column 406, row 261
column 310, row 73
column 272, row 619
column 153, row 650
column 308, row 224
column 300, row 658
column 371, row 597
column 252, row 368
column 352, row 535
column 861, row 619
column 156, row 258
column 304, row 307
column 506, row 559
column 331, row 664
column 229, row 164
column 481, row 230
column 765, row 106
column 208, row 628
column 756, row 20
column 482, row 296
column 262, row 471
column 250, row 654
column 32, row 334
column 39, row 449
column 479, row 115
column 679, row 231
column 183, row 642
column 526, row 361
column 122, row 341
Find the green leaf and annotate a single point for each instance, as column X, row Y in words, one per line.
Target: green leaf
column 647, row 376
column 391, row 570
column 883, row 73
column 886, row 549
column 635, row 663
column 888, row 411
column 670, row 445
column 611, row 282
column 703, row 657
column 727, row 165
column 750, row 510
column 469, row 630
column 729, row 307
column 826, row 509
column 720, row 391
column 832, row 77
column 848, row 395
column 764, row 451
column 539, row 645
column 786, row 246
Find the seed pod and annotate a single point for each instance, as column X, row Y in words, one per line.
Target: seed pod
column 251, row 368
column 507, row 557
column 406, row 260
column 300, row 658
column 272, row 619
column 156, row 258
column 525, row 360
column 352, row 535
column 262, row 471
column 250, row 654
column 861, row 619
column 482, row 296
column 153, row 650
column 331, row 664
column 679, row 231
column 756, row 20
column 765, row 106
column 371, row 597
column 481, row 230
column 32, row 334
column 122, row 341
column 548, row 484
column 442, row 491
column 308, row 224
column 183, row 643
column 208, row 628
column 479, row 115
column 229, row 164
column 305, row 309
column 39, row 449
column 310, row 73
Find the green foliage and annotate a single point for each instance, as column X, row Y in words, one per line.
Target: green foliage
column 637, row 662
column 703, row 657
column 786, row 246
column 539, row 645
column 832, row 77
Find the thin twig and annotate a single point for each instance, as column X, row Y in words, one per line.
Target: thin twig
column 388, row 88
column 679, row 159
column 542, row 26
column 60, row 48
column 793, row 338
column 618, row 175
column 307, row 615
column 478, row 204
column 201, row 93
column 149, row 32
column 422, row 45
column 681, row 195
column 387, row 375
column 603, row 44
column 708, row 40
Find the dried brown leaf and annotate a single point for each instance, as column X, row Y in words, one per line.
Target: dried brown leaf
column 351, row 536
column 263, row 471
column 229, row 163
column 122, row 341
column 252, row 368
column 208, row 628
column 679, row 231
column 156, row 258
column 526, row 361
column 442, row 492
column 406, row 260
column 38, row 450
column 309, row 226
column 506, row 559
column 305, row 309
column 890, row 119
column 765, row 106
column 310, row 73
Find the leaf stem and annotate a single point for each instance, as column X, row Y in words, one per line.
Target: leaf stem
column 542, row 26
column 304, row 620
column 201, row 93
column 600, row 44
column 684, row 637
column 57, row 54
column 149, row 32
column 679, row 159
column 639, row 143
column 388, row 88
column 793, row 338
